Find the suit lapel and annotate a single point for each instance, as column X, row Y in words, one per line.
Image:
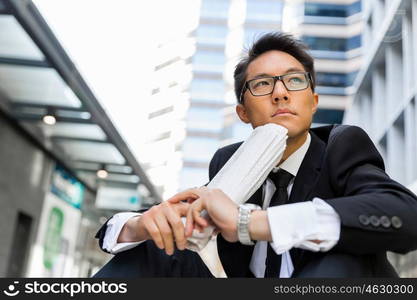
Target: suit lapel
column 309, row 171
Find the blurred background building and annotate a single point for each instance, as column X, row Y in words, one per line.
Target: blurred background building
column 332, row 30
column 384, row 101
column 77, row 153
column 64, row 166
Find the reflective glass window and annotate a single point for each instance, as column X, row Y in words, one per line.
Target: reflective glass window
column 328, row 116
column 215, row 8
column 192, row 177
column 335, row 79
column 332, row 44
column 199, row 149
column 237, row 132
column 207, row 89
column 331, row 10
column 205, row 119
column 264, row 11
column 212, row 61
column 211, row 34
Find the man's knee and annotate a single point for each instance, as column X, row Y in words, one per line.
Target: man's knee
column 147, row 260
column 337, row 265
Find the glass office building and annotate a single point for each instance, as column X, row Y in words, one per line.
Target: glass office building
column 385, row 95
column 333, row 32
column 225, row 28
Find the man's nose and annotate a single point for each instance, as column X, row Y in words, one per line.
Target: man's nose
column 280, row 92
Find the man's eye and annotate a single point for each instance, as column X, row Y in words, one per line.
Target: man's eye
column 261, row 83
column 296, row 80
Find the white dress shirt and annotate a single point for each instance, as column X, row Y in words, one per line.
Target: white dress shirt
column 319, row 222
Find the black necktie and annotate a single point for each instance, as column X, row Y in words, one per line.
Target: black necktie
column 281, row 180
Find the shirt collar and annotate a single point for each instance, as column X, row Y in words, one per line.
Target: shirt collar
column 293, row 162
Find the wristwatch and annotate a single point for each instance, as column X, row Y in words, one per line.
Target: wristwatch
column 243, row 223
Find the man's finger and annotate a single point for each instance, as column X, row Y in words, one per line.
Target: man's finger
column 177, row 227
column 189, row 224
column 181, row 208
column 154, row 232
column 185, row 195
column 166, row 233
column 196, row 208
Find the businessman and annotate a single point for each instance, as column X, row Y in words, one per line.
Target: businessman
column 328, row 209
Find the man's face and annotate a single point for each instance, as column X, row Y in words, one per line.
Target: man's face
column 260, row 110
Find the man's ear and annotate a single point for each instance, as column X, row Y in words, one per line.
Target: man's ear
column 241, row 112
column 315, row 102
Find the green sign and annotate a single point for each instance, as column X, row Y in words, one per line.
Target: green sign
column 51, row 247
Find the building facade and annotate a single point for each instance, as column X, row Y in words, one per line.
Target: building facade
column 226, row 28
column 332, row 30
column 385, row 95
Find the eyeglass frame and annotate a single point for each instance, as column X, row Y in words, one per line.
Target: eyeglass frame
column 276, row 78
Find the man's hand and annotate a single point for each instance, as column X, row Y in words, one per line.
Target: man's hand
column 221, row 209
column 161, row 223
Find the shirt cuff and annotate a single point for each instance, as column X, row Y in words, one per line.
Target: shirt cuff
column 297, row 224
column 114, row 226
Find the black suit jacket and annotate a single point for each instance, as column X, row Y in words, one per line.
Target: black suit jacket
column 342, row 167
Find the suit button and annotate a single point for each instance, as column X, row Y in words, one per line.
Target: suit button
column 385, row 221
column 364, row 220
column 374, row 221
column 396, row 222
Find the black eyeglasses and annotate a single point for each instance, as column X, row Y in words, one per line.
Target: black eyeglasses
column 262, row 86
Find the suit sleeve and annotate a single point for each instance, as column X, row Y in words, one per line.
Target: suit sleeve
column 377, row 213
column 101, row 233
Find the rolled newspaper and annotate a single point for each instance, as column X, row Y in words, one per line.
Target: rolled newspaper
column 245, row 171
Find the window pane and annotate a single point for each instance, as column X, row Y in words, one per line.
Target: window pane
column 328, row 116
column 192, row 177
column 199, row 149
column 331, row 10
column 332, row 44
column 207, row 89
column 237, row 132
column 335, row 79
column 218, row 9
column 264, row 11
column 212, row 61
column 212, row 34
column 205, row 119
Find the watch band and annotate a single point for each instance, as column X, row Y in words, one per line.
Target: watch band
column 243, row 223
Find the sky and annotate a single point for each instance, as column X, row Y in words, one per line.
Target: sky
column 112, row 45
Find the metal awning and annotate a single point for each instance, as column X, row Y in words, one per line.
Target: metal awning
column 38, row 79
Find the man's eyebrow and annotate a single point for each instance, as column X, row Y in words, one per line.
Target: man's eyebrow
column 261, row 75
column 294, row 69
column 289, row 70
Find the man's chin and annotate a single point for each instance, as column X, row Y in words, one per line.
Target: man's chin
column 283, row 124
column 277, row 122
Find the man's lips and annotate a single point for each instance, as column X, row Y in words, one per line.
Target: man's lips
column 282, row 112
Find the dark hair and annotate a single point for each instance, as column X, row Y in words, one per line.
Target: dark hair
column 273, row 41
